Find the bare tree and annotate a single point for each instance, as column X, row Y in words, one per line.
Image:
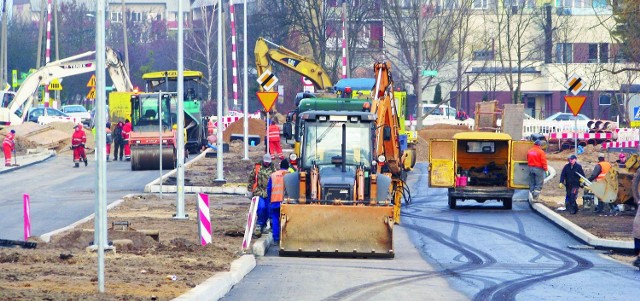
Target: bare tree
column 201, row 44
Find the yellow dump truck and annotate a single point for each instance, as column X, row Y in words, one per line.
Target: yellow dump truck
column 479, row 166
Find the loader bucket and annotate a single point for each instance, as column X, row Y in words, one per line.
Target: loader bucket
column 336, row 230
column 147, row 157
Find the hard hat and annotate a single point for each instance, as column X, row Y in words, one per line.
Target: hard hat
column 600, row 155
column 266, row 158
column 622, row 155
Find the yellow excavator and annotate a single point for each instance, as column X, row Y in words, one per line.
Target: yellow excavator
column 295, row 62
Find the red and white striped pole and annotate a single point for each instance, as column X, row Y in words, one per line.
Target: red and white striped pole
column 344, row 47
column 204, row 220
column 234, row 54
column 251, row 222
column 26, row 208
column 47, row 56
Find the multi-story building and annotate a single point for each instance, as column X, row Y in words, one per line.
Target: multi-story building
column 527, row 49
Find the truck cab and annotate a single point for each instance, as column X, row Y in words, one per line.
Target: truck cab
column 479, row 166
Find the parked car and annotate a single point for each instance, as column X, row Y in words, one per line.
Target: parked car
column 566, row 116
column 44, row 115
column 78, row 111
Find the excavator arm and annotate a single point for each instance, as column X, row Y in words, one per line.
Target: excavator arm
column 16, row 110
column 297, row 63
column 387, row 123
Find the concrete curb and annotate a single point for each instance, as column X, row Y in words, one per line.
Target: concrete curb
column 219, row 285
column 154, row 186
column 575, row 230
column 31, row 159
column 47, row 236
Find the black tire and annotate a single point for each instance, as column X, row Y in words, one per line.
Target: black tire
column 635, row 186
column 507, row 203
column 452, row 203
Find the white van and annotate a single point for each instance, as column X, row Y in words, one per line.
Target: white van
column 440, row 112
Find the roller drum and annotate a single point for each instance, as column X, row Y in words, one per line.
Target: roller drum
column 148, row 158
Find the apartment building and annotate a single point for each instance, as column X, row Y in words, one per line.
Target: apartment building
column 507, row 44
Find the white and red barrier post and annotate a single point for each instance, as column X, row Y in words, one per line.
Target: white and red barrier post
column 204, row 220
column 26, row 205
column 251, row 223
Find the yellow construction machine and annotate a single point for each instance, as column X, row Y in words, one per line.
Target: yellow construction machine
column 620, row 185
column 398, row 159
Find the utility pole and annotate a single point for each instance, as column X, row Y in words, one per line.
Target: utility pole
column 124, row 35
column 3, row 47
column 345, row 28
column 420, row 68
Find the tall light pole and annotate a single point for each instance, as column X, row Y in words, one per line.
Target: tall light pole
column 3, row 47
column 245, row 91
column 124, row 34
column 220, row 177
column 419, row 67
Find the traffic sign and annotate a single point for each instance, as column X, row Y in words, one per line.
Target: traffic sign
column 92, row 93
column 55, row 85
column 14, row 78
column 636, row 113
column 92, row 81
column 267, row 99
column 431, row 73
column 575, row 103
column 267, row 80
column 575, row 84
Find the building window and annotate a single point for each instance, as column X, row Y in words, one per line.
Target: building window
column 604, row 99
column 116, row 17
column 480, row 4
column 483, row 55
column 604, row 52
column 598, row 53
column 564, row 53
column 574, row 3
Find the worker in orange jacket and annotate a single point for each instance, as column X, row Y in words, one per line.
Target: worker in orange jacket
column 274, row 140
column 78, row 140
column 600, row 170
column 537, row 161
column 126, row 133
column 275, row 194
column 8, row 145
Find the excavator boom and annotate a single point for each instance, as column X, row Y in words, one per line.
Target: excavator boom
column 291, row 60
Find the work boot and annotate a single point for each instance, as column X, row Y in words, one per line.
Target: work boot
column 636, row 263
column 276, row 243
column 257, row 233
column 86, row 162
column 7, row 165
column 76, row 165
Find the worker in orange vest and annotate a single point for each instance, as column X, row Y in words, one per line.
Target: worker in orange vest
column 8, row 145
column 599, row 172
column 275, row 194
column 126, row 133
column 274, row 140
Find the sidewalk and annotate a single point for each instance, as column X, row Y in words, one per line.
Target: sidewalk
column 27, row 160
column 576, row 231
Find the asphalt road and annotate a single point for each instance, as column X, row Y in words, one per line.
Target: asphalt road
column 60, row 194
column 477, row 252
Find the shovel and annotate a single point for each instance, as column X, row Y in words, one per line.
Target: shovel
column 15, row 158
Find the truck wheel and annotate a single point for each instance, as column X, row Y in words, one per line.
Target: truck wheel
column 635, row 186
column 452, row 203
column 507, row 203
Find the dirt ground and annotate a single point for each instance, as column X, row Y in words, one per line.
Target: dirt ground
column 141, row 268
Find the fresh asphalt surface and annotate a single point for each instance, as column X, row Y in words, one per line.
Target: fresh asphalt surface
column 476, row 252
column 60, row 194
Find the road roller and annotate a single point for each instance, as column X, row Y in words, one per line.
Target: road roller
column 152, row 120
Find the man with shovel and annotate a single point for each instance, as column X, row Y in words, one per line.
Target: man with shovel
column 8, row 146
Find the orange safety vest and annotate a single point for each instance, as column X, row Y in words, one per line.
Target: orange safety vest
column 210, row 127
column 604, row 169
column 274, row 133
column 255, row 183
column 277, row 186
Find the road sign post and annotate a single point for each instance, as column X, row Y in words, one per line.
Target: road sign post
column 267, row 99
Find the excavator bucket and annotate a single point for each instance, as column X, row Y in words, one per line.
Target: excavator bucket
column 607, row 189
column 336, row 230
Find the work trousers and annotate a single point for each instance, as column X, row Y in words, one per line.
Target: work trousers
column 7, row 154
column 274, row 214
column 118, row 149
column 263, row 213
column 127, row 151
column 536, row 178
column 275, row 149
column 570, row 199
column 79, row 154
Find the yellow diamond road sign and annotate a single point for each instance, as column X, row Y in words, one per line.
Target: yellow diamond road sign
column 575, row 84
column 92, row 93
column 92, row 81
column 55, row 85
column 267, row 80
